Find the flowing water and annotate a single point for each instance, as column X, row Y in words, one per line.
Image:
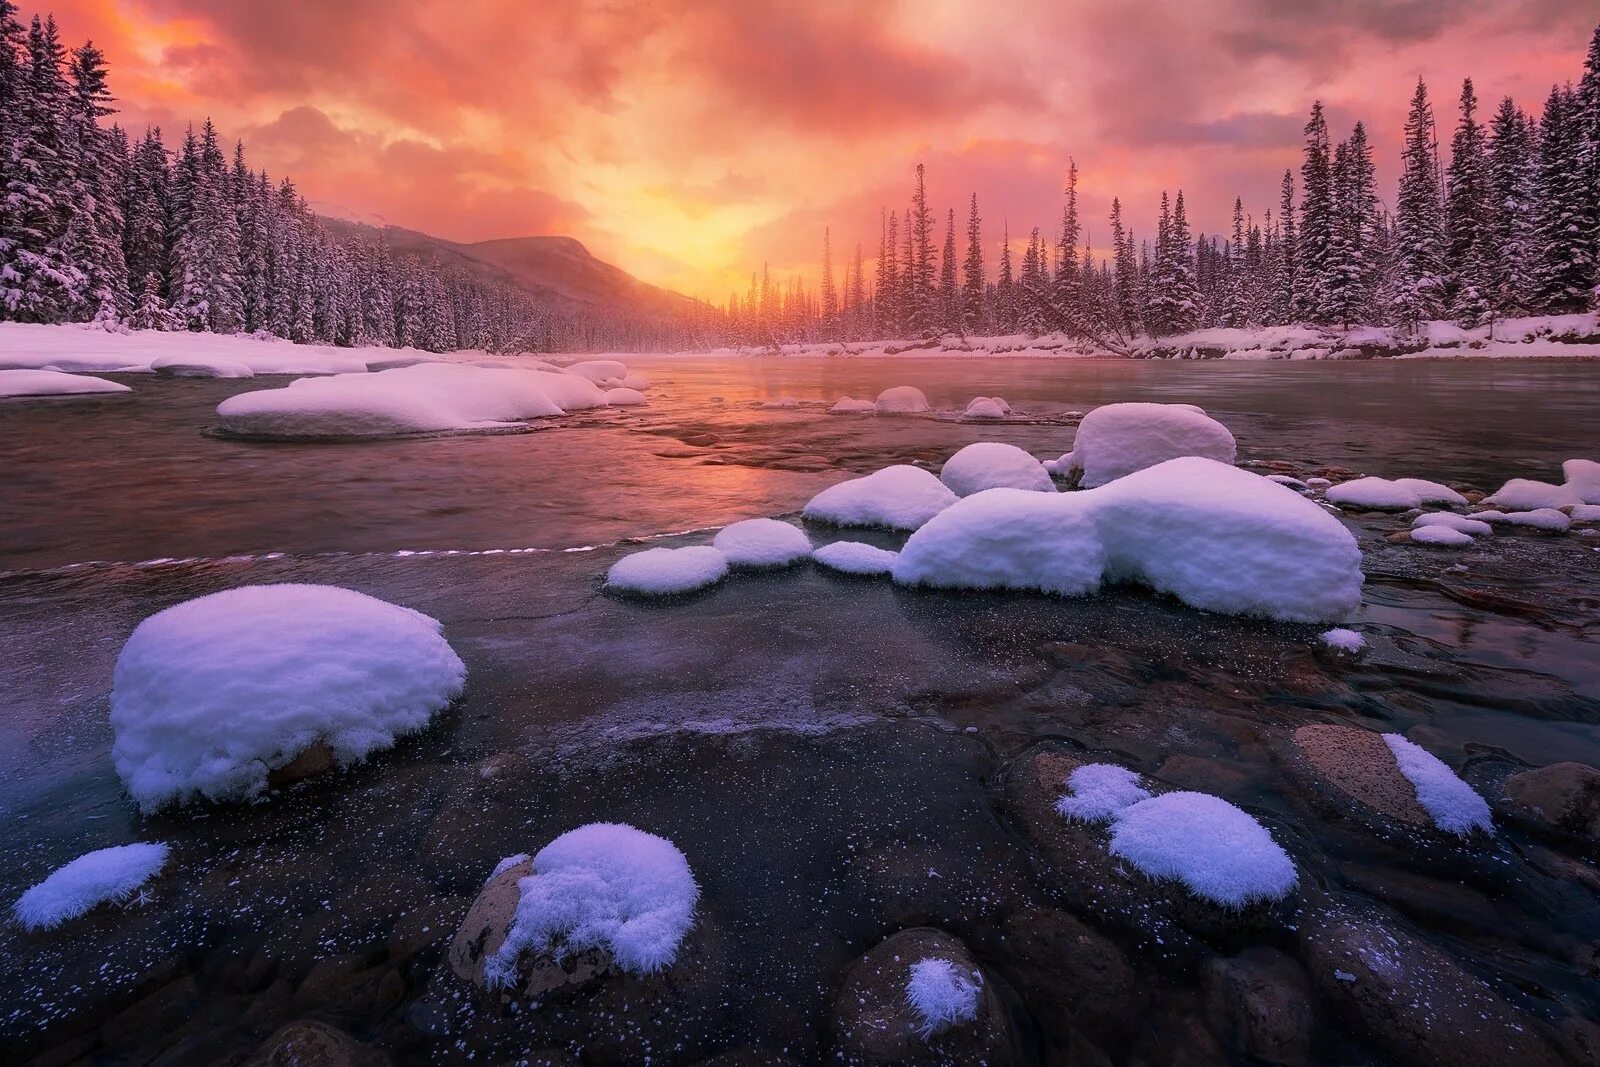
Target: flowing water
column 825, row 751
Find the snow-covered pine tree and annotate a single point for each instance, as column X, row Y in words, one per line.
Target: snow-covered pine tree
column 830, row 295
column 1287, row 283
column 949, row 290
column 1566, row 231
column 973, row 283
column 1419, row 277
column 1004, row 305
column 1173, row 297
column 1068, row 278
column 1511, row 222
column 1316, row 216
column 1466, row 215
column 1235, row 305
column 1125, row 282
column 92, row 237
column 855, row 296
column 921, row 312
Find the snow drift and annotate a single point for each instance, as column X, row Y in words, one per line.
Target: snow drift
column 1117, row 439
column 212, row 694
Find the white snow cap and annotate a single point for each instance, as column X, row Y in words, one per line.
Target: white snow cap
column 784, row 402
column 1098, row 792
column 762, row 543
column 1060, row 467
column 213, row 693
column 622, row 397
column 602, row 886
column 1007, row 539
column 600, row 371
column 1540, row 519
column 1522, row 494
column 942, row 995
column 1117, row 439
column 854, row 557
column 1459, row 523
column 1586, row 513
column 993, row 465
column 1396, row 493
column 901, row 497
column 1220, row 852
column 667, row 571
column 1442, row 536
column 105, row 876
column 850, row 406
column 901, row 400
column 422, row 398
column 986, row 407
column 1344, row 640
column 1583, row 478
column 1453, row 804
column 54, row 383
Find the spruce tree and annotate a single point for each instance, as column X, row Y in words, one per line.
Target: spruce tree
column 1316, row 216
column 949, row 290
column 1511, row 224
column 1566, row 273
column 1068, row 281
column 921, row 315
column 1420, row 273
column 1466, row 215
column 973, row 283
column 830, row 296
column 1005, row 287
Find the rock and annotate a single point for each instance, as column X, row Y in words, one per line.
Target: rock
column 1354, row 770
column 1259, row 1002
column 1411, row 998
column 1070, row 974
column 1562, row 798
column 307, row 1043
column 875, row 1021
column 749, row 1056
column 484, row 929
column 314, row 760
column 1399, row 537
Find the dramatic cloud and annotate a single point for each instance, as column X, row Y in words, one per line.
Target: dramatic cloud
column 691, row 141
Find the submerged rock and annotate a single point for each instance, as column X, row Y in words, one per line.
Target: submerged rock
column 308, row 1043
column 1354, row 770
column 1562, row 798
column 1260, row 1003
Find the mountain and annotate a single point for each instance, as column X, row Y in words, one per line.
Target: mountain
column 557, row 269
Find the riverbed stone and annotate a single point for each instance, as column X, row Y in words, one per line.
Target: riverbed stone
column 1355, row 771
column 875, row 1023
column 1260, row 1003
column 484, row 930
column 315, row 759
column 309, row 1043
column 1070, row 974
column 1562, row 798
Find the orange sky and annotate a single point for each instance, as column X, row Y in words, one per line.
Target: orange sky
column 688, row 141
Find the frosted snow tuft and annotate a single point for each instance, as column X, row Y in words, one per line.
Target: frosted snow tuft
column 901, row 400
column 1007, row 539
column 1344, row 640
column 105, row 876
column 1218, row 851
column 1453, row 804
column 1117, row 439
column 854, row 557
column 1443, row 536
column 1098, row 792
column 1459, row 523
column 942, row 995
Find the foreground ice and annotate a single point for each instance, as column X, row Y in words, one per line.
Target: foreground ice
column 426, row 397
column 992, row 465
column 1454, row 806
column 15, row 383
column 901, row 497
column 667, row 571
column 603, row 886
column 762, row 543
column 1218, row 851
column 1217, row 537
column 1117, row 439
column 213, row 694
column 106, row 876
column 854, row 557
column 941, row 995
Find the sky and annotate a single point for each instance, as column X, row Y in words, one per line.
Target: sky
column 690, row 142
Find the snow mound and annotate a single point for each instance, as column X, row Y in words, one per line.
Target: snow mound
column 1007, row 539
column 603, row 886
column 901, row 497
column 1218, row 851
column 941, row 996
column 667, row 571
column 847, row 405
column 1586, row 513
column 992, row 465
column 1540, row 519
column 986, row 407
column 1583, row 478
column 1099, row 792
column 901, row 400
column 1453, row 804
column 106, row 876
column 854, row 557
column 1450, row 520
column 600, row 371
column 1442, row 536
column 1118, row 439
column 1344, row 640
column 784, row 402
column 425, row 397
column 212, row 694
column 190, row 367
column 1060, row 467
column 1223, row 539
column 623, row 397
column 636, row 380
column 1392, row 494
column 54, row 383
column 1522, row 494
column 762, row 543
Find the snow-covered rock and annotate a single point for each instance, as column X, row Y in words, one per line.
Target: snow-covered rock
column 212, row 695
column 184, row 367
column 762, row 543
column 1583, row 478
column 1522, row 494
column 1341, row 639
column 901, row 497
column 942, row 995
column 105, row 876
column 17, row 383
column 782, row 402
column 636, row 380
column 427, row 397
column 1538, row 519
column 1099, row 792
column 1585, row 513
column 607, row 372
column 854, row 557
column 1218, row 851
column 1117, row 439
column 993, row 465
column 847, row 405
column 1007, row 539
column 1392, row 493
column 986, row 407
column 1293, row 483
column 605, row 886
column 667, row 571
column 622, row 397
column 1459, row 523
column 901, row 400
column 1453, row 804
column 1442, row 536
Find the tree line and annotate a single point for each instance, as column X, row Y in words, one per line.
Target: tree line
column 97, row 226
column 1509, row 226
